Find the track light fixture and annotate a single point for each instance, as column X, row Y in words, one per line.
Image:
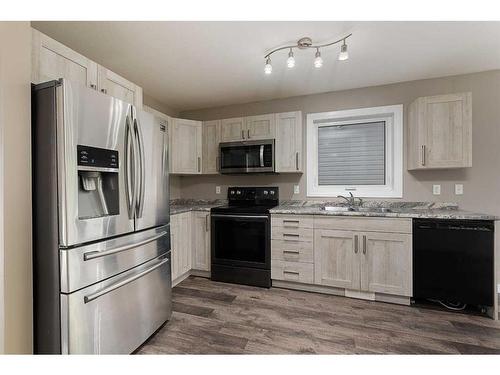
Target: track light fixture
column 305, row 43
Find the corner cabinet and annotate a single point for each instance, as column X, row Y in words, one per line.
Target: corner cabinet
column 185, row 146
column 440, row 132
column 289, row 142
column 211, row 137
column 53, row 60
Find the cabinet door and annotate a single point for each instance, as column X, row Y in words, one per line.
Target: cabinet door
column 185, row 256
column 448, row 121
column 186, row 146
column 53, row 60
column 336, row 258
column 232, row 129
column 211, row 130
column 386, row 263
column 118, row 87
column 174, row 245
column 289, row 142
column 201, row 241
column 440, row 132
column 260, row 127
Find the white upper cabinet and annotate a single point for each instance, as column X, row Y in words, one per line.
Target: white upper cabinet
column 232, row 129
column 118, row 87
column 53, row 60
column 289, row 142
column 185, row 139
column 260, row 127
column 211, row 135
column 440, row 132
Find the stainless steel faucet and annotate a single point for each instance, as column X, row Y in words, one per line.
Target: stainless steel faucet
column 351, row 200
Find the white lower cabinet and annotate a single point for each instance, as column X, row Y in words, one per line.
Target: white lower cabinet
column 180, row 229
column 374, row 257
column 201, row 241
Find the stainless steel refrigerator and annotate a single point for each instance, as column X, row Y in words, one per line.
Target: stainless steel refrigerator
column 101, row 234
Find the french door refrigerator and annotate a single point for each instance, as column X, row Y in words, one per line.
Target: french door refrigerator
column 101, row 234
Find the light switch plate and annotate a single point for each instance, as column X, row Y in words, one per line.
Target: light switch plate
column 459, row 189
column 217, row 190
column 436, row 189
column 296, row 189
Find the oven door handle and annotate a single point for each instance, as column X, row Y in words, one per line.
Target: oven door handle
column 265, row 217
column 262, row 155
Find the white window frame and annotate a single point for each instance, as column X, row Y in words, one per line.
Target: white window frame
column 393, row 117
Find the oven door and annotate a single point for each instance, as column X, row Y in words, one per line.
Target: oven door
column 247, row 157
column 241, row 240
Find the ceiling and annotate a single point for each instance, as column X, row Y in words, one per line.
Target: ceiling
column 192, row 65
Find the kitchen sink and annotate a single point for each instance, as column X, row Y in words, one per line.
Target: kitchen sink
column 357, row 209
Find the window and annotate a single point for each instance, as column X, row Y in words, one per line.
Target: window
column 358, row 151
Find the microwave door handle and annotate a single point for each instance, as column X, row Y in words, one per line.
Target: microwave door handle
column 262, row 155
column 140, row 144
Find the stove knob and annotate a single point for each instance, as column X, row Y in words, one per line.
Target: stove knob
column 272, row 192
column 232, row 192
column 238, row 192
column 266, row 192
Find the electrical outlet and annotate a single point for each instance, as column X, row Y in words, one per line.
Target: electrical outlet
column 436, row 189
column 296, row 189
column 498, row 288
column 217, row 190
column 459, row 189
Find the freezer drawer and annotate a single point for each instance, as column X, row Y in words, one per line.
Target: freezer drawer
column 117, row 315
column 86, row 265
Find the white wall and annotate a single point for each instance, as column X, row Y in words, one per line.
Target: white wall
column 15, row 189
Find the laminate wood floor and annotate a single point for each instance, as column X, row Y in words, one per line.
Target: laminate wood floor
column 218, row 318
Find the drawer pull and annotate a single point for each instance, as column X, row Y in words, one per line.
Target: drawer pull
column 355, row 244
column 291, row 221
column 119, row 284
column 98, row 254
column 291, row 272
column 291, row 252
column 291, row 235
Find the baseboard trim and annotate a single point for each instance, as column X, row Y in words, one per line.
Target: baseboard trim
column 369, row 296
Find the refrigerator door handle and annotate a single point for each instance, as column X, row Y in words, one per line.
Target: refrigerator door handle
column 98, row 254
column 142, row 177
column 130, row 166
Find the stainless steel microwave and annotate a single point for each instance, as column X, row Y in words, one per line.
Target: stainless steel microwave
column 246, row 157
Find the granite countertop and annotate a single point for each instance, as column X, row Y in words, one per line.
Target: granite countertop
column 423, row 210
column 179, row 206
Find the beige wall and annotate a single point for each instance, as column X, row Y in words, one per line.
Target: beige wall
column 481, row 182
column 15, row 123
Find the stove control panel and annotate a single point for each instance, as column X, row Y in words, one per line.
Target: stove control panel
column 253, row 193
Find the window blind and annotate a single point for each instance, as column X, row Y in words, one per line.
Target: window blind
column 352, row 154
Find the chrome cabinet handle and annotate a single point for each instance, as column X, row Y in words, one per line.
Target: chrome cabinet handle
column 423, row 155
column 297, row 161
column 104, row 91
column 206, row 222
column 291, row 252
column 291, row 272
column 98, row 254
column 93, row 86
column 142, row 167
column 364, row 244
column 119, row 284
column 199, row 164
column 291, row 235
column 248, row 133
column 217, row 164
column 290, row 221
column 355, row 244
column 243, row 134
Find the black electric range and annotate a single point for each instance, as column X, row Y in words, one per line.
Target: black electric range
column 241, row 236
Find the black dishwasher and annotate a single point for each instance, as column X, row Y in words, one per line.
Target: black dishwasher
column 453, row 261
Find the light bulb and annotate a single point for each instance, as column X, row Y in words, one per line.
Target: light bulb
column 290, row 62
column 318, row 61
column 268, row 69
column 343, row 55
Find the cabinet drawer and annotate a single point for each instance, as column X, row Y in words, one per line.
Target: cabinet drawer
column 292, row 234
column 292, row 221
column 365, row 224
column 292, row 271
column 292, row 251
